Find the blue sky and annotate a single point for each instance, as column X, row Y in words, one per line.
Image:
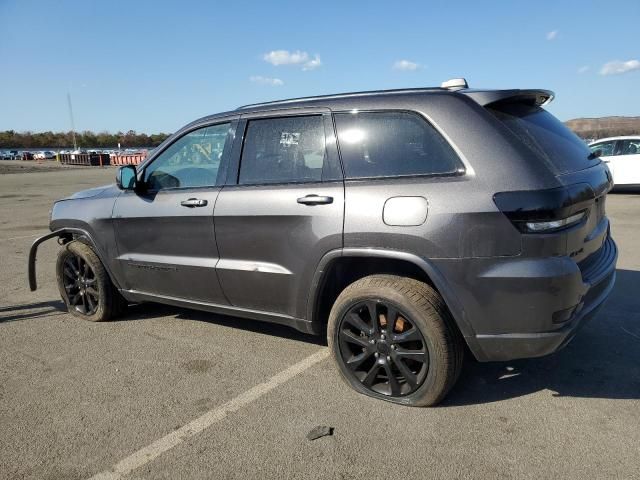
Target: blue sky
column 153, row 66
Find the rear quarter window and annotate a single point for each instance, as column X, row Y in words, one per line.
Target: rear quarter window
column 545, row 135
column 389, row 144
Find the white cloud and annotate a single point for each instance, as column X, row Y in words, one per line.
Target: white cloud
column 616, row 67
column 405, row 65
column 313, row 63
column 274, row 82
column 285, row 57
column 552, row 35
column 583, row 69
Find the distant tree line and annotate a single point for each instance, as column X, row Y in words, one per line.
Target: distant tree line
column 606, row 132
column 86, row 139
column 604, row 126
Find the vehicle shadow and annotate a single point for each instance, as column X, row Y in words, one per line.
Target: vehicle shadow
column 154, row 310
column 13, row 313
column 602, row 361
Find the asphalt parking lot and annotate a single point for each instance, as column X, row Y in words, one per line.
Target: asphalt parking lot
column 172, row 393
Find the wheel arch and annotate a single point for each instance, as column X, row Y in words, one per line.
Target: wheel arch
column 67, row 234
column 389, row 261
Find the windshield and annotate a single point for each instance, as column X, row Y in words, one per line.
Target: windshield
column 547, row 136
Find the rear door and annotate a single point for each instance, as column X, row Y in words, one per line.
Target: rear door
column 165, row 235
column 627, row 162
column 281, row 210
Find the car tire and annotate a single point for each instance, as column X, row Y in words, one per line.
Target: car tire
column 85, row 286
column 421, row 348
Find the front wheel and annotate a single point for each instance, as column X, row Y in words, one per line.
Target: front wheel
column 393, row 338
column 85, row 286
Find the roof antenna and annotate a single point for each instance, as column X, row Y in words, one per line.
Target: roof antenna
column 73, row 127
column 455, row 84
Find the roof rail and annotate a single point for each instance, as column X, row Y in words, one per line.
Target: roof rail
column 341, row 95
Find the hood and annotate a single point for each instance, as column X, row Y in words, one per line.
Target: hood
column 91, row 192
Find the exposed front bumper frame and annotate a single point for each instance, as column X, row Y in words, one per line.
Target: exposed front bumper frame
column 63, row 232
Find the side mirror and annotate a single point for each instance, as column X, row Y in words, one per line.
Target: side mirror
column 126, row 178
column 595, row 154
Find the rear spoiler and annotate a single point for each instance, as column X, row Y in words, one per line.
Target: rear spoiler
column 490, row 97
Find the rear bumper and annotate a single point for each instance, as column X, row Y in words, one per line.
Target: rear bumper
column 510, row 346
column 524, row 308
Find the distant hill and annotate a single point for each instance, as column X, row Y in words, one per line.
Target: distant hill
column 604, row 126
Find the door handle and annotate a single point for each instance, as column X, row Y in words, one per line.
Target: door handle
column 194, row 202
column 315, row 200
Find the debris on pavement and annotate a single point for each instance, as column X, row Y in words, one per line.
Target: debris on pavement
column 319, row 431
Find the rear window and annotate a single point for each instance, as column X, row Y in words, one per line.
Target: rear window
column 545, row 135
column 389, row 144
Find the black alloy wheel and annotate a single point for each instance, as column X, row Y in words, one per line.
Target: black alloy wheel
column 383, row 348
column 80, row 284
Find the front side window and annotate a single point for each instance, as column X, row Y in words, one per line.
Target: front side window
column 630, row 147
column 283, row 150
column 387, row 144
column 191, row 161
column 606, row 148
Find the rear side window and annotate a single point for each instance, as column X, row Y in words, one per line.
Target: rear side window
column 388, row 144
column 630, row 147
column 547, row 136
column 283, row 150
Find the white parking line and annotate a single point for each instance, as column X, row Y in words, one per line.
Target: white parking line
column 157, row 448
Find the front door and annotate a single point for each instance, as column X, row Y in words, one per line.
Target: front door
column 281, row 211
column 165, row 234
column 607, row 151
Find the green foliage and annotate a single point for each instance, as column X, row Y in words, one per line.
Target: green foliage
column 131, row 139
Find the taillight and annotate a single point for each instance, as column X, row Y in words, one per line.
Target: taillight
column 546, row 211
column 553, row 225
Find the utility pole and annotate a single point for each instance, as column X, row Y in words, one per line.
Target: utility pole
column 73, row 127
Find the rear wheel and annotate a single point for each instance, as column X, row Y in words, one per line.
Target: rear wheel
column 393, row 338
column 85, row 286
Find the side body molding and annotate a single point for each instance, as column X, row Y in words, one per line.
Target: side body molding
column 66, row 232
column 455, row 307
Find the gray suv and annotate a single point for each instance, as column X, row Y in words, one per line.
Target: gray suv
column 410, row 226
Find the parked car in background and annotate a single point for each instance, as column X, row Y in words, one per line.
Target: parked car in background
column 622, row 154
column 407, row 225
column 5, row 155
